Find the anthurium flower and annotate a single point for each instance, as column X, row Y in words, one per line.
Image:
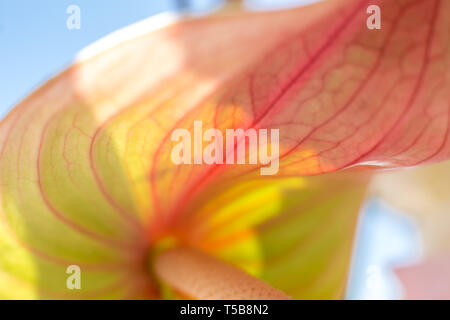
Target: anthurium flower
column 86, row 173
column 423, row 193
column 427, row 280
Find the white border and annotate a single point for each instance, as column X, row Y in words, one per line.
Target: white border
column 132, row 31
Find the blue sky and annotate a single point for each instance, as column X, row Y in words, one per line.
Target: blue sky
column 35, row 42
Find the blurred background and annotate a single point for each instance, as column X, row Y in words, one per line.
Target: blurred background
column 36, row 44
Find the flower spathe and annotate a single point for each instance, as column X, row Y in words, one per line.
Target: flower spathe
column 85, row 170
